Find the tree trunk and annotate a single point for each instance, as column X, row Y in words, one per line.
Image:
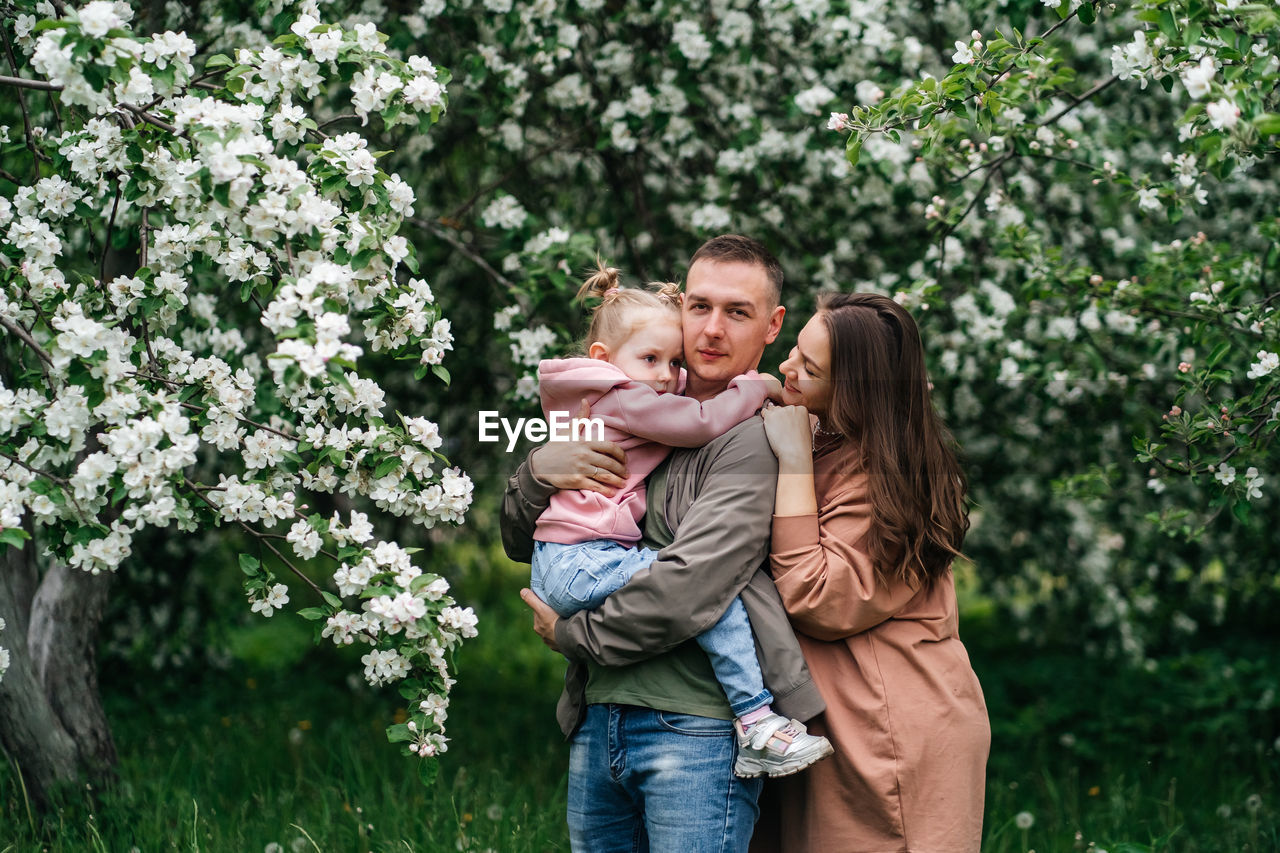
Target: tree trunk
column 52, row 725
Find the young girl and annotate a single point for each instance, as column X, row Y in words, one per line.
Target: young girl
column 585, row 542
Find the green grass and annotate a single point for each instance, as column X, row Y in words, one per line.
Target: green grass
column 286, row 751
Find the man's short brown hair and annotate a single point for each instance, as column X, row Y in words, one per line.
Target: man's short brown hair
column 734, row 248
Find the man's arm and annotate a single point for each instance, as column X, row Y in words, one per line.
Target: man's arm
column 523, row 501
column 720, row 544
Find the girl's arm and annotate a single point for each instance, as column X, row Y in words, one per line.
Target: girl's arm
column 820, row 565
column 685, row 422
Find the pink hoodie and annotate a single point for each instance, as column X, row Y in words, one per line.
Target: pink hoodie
column 644, row 423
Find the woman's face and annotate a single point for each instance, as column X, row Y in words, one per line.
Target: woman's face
column 806, row 374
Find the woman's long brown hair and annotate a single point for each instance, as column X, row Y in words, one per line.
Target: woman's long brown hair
column 880, row 401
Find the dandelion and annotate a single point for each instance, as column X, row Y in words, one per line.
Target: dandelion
column 1024, row 820
column 1253, row 803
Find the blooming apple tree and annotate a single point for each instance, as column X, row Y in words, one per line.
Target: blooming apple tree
column 194, row 272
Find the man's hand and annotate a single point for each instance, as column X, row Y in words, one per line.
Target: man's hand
column 596, row 466
column 544, row 618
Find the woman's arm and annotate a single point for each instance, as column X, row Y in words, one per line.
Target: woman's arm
column 820, row 565
column 791, row 437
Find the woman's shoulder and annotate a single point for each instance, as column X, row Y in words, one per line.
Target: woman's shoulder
column 839, row 475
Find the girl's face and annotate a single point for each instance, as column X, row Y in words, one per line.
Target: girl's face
column 807, row 371
column 652, row 354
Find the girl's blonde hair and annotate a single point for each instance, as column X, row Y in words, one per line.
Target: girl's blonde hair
column 614, row 319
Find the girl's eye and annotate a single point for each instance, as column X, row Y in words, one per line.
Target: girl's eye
column 675, row 362
column 649, row 359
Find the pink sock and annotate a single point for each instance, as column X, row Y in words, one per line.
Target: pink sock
column 752, row 716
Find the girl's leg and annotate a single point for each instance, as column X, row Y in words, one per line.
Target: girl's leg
column 577, row 577
column 732, row 649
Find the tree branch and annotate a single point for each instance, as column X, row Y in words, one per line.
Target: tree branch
column 25, row 83
column 467, row 251
column 337, row 119
column 22, row 102
column 26, row 338
column 152, row 120
column 197, row 489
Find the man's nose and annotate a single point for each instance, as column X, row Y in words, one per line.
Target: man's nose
column 715, row 325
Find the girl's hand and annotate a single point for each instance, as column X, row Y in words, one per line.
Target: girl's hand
column 790, row 435
column 773, row 386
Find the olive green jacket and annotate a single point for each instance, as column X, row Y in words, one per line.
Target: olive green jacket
column 718, row 502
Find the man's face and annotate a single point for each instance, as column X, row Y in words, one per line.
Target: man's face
column 728, row 319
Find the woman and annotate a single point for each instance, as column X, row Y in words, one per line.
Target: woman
column 870, row 513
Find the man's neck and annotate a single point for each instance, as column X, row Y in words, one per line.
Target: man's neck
column 703, row 390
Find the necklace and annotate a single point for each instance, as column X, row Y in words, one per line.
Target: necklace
column 825, row 433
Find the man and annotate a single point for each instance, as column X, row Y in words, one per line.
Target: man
column 653, row 746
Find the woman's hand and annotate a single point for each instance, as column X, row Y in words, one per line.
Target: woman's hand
column 790, row 435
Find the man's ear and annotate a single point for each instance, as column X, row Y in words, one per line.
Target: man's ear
column 600, row 352
column 775, row 324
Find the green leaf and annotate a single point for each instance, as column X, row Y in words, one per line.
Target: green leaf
column 1268, row 124
column 219, row 60
column 853, row 150
column 14, row 536
column 386, row 466
column 312, row 613
column 1218, row 353
column 399, row 733
column 441, row 373
column 249, row 565
column 1087, row 15
column 331, row 599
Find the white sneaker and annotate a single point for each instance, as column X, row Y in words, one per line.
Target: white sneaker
column 776, row 746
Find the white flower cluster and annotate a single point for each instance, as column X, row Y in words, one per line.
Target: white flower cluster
column 143, row 60
column 1267, row 362
column 231, row 354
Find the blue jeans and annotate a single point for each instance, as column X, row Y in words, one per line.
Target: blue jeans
column 642, row 780
column 580, row 577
